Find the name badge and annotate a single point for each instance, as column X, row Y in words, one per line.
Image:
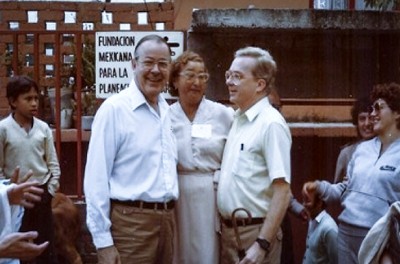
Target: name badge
column 201, row 130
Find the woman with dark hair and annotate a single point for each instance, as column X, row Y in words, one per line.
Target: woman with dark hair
column 373, row 175
column 360, row 116
column 201, row 128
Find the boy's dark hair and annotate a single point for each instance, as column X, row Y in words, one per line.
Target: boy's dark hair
column 19, row 85
column 363, row 104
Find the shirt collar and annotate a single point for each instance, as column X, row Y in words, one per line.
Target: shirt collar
column 320, row 216
column 254, row 110
column 137, row 98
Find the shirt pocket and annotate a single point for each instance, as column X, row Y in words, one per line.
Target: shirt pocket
column 244, row 167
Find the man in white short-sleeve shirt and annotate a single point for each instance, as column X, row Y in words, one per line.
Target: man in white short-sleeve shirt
column 255, row 172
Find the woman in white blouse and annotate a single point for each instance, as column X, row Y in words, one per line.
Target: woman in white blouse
column 201, row 127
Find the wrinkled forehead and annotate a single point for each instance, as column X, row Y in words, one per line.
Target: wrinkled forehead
column 243, row 65
column 153, row 49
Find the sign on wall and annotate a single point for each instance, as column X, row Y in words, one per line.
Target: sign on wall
column 114, row 54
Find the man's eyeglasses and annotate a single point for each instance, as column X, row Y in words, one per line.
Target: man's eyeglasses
column 377, row 106
column 149, row 64
column 191, row 76
column 234, row 77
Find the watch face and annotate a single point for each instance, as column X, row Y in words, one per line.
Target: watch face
column 264, row 244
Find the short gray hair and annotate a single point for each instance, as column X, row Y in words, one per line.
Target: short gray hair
column 266, row 66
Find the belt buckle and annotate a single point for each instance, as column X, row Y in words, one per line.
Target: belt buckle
column 141, row 205
column 165, row 205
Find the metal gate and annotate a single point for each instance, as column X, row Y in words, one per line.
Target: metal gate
column 51, row 58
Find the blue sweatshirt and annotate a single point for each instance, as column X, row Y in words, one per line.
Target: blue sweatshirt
column 373, row 184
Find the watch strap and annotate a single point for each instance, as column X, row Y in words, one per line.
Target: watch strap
column 264, row 244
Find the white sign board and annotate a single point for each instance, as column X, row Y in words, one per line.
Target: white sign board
column 114, row 53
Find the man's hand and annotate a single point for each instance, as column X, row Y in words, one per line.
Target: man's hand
column 20, row 246
column 255, row 254
column 23, row 193
column 108, row 255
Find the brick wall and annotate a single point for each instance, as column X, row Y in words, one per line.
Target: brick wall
column 86, row 12
column 29, row 37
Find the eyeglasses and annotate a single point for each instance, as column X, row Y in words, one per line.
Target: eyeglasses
column 191, row 76
column 234, row 76
column 377, row 106
column 149, row 64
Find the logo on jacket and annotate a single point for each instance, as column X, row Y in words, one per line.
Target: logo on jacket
column 387, row 168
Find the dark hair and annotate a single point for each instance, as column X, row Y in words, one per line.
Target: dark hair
column 151, row 37
column 19, row 85
column 391, row 94
column 363, row 104
column 178, row 64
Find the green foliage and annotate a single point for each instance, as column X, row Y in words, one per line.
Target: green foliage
column 380, row 4
column 88, row 63
column 89, row 102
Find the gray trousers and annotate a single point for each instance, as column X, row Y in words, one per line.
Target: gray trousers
column 349, row 241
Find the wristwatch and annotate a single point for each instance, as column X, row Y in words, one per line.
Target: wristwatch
column 264, row 244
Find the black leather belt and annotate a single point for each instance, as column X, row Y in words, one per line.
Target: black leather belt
column 243, row 221
column 147, row 205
